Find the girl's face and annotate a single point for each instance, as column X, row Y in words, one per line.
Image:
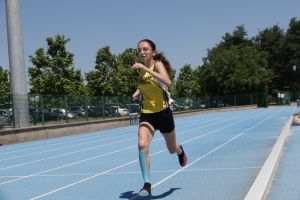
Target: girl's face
column 145, row 52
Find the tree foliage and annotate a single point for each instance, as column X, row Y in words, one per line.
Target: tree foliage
column 113, row 75
column 269, row 61
column 270, row 42
column 172, row 88
column 53, row 72
column 186, row 82
column 235, row 71
column 237, row 38
column 4, row 89
column 4, row 83
column 292, row 54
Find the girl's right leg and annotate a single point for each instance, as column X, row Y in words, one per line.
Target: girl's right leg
column 145, row 134
column 174, row 147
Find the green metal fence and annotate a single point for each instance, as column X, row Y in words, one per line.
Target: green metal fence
column 49, row 109
column 283, row 98
column 262, row 100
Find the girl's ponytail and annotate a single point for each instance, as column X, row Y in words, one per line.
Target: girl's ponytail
column 160, row 57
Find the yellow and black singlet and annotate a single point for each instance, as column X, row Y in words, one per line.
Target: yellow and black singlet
column 153, row 98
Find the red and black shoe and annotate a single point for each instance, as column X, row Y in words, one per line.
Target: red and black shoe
column 182, row 157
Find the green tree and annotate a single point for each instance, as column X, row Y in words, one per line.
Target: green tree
column 292, row 55
column 270, row 42
column 185, row 82
column 237, row 38
column 99, row 81
column 4, row 89
column 53, row 72
column 199, row 79
column 235, row 71
column 125, row 80
column 4, row 83
column 113, row 75
column 172, row 88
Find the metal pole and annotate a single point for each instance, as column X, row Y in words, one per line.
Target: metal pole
column 86, row 109
column 17, row 64
column 42, row 105
column 66, row 106
column 234, row 100
column 103, row 110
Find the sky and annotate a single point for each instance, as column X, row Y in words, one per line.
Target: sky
column 182, row 30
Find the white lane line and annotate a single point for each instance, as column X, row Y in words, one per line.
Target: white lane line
column 131, row 172
column 67, row 186
column 95, row 156
column 91, row 148
column 75, row 183
column 74, row 145
column 61, row 143
column 262, row 180
column 200, row 158
column 70, row 154
column 116, row 152
column 10, row 158
column 102, row 134
column 178, row 121
column 56, row 141
column 74, row 163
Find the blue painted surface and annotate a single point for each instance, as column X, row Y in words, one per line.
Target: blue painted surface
column 225, row 150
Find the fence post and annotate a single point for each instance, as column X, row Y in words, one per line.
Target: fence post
column 34, row 118
column 199, row 103
column 103, row 112
column 234, row 100
column 117, row 108
column 86, row 109
column 129, row 105
column 66, row 106
column 42, row 108
column 13, row 111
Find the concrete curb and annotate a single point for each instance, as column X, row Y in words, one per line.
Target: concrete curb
column 259, row 186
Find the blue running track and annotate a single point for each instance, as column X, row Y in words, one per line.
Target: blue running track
column 225, row 151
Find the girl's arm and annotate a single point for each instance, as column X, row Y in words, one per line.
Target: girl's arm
column 159, row 73
column 136, row 95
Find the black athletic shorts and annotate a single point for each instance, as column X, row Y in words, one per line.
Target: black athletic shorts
column 162, row 121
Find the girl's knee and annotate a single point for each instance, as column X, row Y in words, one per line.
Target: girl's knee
column 143, row 144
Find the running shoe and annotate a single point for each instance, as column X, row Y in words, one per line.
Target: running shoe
column 146, row 190
column 182, row 157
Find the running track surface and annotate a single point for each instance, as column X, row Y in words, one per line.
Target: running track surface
column 225, row 151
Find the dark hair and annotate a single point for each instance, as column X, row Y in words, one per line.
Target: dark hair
column 159, row 56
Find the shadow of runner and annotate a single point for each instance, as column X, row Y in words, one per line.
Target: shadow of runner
column 131, row 194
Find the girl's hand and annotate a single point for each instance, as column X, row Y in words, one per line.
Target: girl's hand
column 136, row 95
column 139, row 66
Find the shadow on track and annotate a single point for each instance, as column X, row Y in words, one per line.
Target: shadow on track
column 131, row 194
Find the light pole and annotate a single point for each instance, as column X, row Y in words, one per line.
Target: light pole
column 17, row 64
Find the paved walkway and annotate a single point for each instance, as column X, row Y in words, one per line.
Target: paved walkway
column 286, row 181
